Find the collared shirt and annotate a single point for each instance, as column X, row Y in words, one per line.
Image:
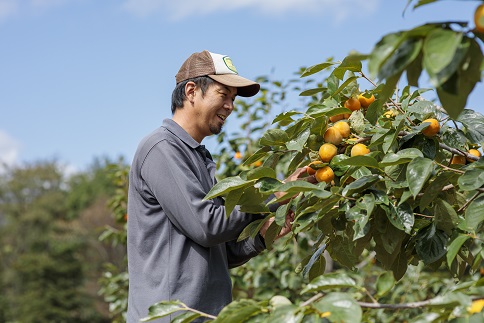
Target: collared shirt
column 180, row 246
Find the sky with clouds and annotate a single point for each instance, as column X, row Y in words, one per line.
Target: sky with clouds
column 82, row 79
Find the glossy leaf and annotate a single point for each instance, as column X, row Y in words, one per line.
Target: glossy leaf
column 471, row 180
column 475, row 213
column 445, row 217
column 274, row 137
column 163, row 309
column 418, row 172
column 238, row 311
column 226, row 185
column 341, row 306
column 431, row 244
column 329, row 281
column 454, row 247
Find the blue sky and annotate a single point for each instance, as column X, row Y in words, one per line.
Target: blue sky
column 81, row 79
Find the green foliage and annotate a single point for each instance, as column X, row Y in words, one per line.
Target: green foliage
column 41, row 266
column 114, row 280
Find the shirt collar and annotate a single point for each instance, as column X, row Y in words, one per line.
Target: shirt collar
column 178, row 131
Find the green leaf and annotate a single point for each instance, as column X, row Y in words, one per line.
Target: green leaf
column 401, row 216
column 401, row 157
column 298, row 143
column 441, row 56
column 186, row 317
column 435, row 188
column 451, row 300
column 366, row 161
column 238, row 311
column 341, row 306
column 274, row 137
column 330, row 281
column 286, row 117
column 281, row 213
column 316, row 68
column 262, row 152
column 471, row 180
column 454, row 92
column 258, row 172
column 232, row 199
column 474, row 123
column 385, row 283
column 251, row 230
column 382, row 50
column 454, row 247
column 445, row 217
column 312, row 92
column 360, row 184
column 475, row 213
column 315, row 261
column 350, row 63
column 162, row 309
column 349, row 80
column 407, row 51
column 418, row 172
column 431, row 244
column 268, row 185
column 286, row 313
column 226, row 185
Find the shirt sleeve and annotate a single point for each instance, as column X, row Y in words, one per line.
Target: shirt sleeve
column 172, row 176
column 238, row 253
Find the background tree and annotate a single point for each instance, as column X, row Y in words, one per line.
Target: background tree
column 42, row 271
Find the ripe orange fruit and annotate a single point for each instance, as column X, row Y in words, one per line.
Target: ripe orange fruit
column 479, row 18
column 324, row 174
column 458, row 160
column 364, row 101
column 238, row 155
column 353, row 104
column 310, row 170
column 327, row 151
column 359, row 150
column 473, row 152
column 343, row 128
column 333, row 136
column 336, row 117
column 257, row 163
column 432, row 129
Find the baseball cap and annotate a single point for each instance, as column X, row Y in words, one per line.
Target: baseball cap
column 219, row 68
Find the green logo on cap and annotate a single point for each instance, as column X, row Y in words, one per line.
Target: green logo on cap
column 229, row 64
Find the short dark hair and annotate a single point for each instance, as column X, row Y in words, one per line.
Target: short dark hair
column 179, row 96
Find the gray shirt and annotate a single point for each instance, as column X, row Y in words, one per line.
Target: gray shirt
column 180, row 247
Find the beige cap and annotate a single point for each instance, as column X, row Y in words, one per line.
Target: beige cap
column 219, row 68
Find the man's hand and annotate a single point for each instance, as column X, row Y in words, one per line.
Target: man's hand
column 298, row 174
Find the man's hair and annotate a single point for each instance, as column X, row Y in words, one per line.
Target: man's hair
column 179, row 96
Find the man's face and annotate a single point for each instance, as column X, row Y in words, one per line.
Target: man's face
column 213, row 108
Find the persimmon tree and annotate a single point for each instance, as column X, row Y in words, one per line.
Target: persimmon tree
column 406, row 204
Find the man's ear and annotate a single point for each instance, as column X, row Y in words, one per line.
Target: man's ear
column 190, row 90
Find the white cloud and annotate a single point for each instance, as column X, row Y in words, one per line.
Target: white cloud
column 8, row 8
column 9, row 149
column 177, row 10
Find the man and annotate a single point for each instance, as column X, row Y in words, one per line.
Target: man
column 180, row 247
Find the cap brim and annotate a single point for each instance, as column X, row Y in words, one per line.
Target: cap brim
column 245, row 87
